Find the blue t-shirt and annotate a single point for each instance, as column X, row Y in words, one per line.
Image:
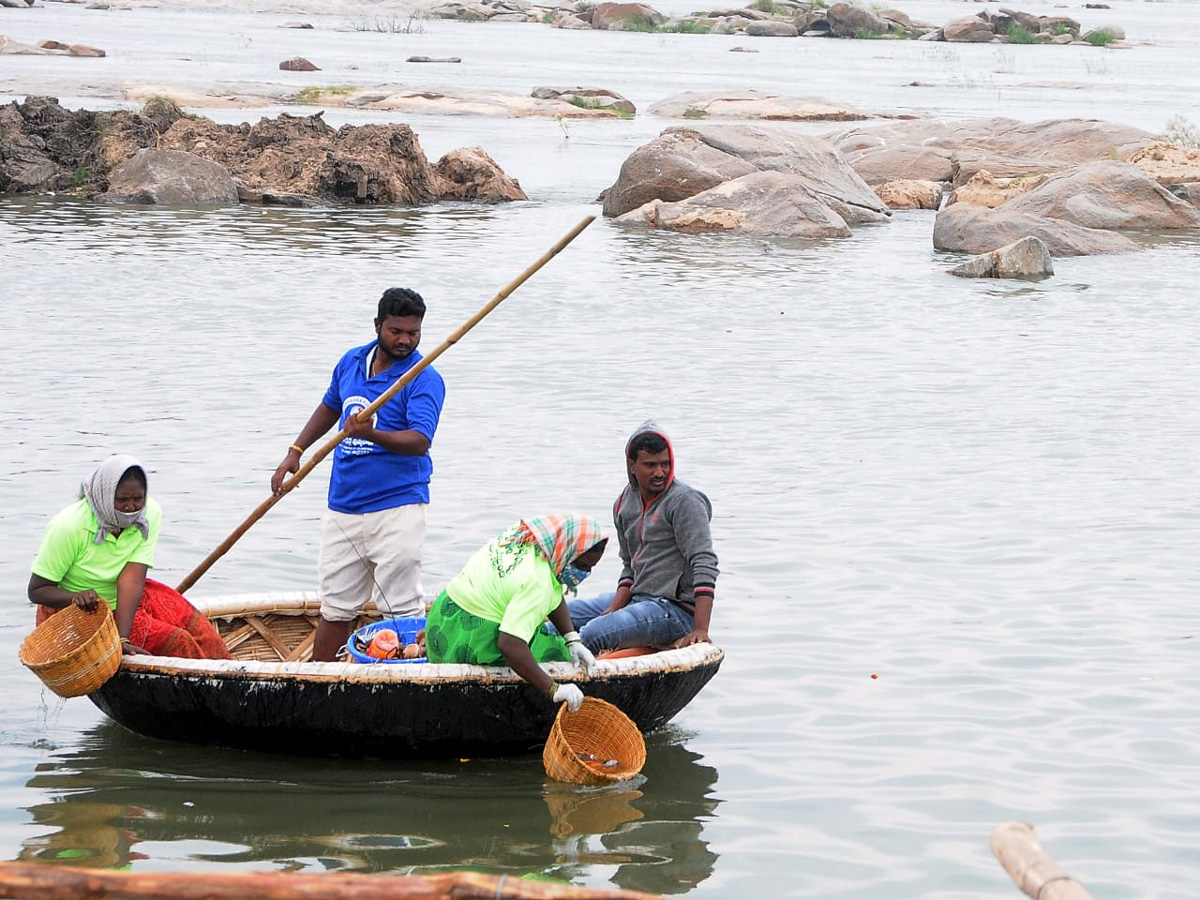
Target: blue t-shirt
column 366, row 477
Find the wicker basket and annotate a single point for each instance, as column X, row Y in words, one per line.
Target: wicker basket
column 581, row 742
column 74, row 652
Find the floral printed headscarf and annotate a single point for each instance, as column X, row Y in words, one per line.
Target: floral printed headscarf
column 559, row 539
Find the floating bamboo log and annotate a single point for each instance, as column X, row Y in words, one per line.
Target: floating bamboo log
column 1033, row 869
column 35, row 881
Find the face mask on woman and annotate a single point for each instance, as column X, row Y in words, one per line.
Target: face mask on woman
column 128, row 519
column 571, row 576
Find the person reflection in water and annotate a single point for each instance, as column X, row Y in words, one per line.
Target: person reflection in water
column 89, row 835
column 99, row 549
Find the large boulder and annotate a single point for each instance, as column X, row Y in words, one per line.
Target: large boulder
column 1113, row 196
column 928, row 148
column 771, row 28
column 971, row 30
column 1076, row 212
column 852, row 19
column 985, row 190
column 682, row 162
column 1027, row 258
column 470, row 174
column 674, row 166
column 884, row 164
column 620, row 16
column 752, row 104
column 967, row 228
column 587, row 98
column 827, row 173
column 171, row 177
column 910, row 194
column 763, row 204
column 9, row 47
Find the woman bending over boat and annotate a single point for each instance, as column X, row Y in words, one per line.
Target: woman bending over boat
column 99, row 549
column 494, row 611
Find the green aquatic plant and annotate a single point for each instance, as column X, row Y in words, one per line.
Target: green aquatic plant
column 1018, row 34
column 693, row 113
column 866, row 34
column 1100, row 37
column 638, row 23
column 684, row 26
column 597, row 103
column 80, row 177
column 770, row 7
column 1058, row 28
column 310, row 96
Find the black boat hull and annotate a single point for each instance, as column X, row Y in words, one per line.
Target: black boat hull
column 367, row 712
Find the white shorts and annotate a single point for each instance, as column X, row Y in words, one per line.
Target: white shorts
column 371, row 556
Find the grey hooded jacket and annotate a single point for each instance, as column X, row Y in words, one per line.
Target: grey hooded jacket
column 666, row 546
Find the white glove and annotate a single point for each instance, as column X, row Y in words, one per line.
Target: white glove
column 580, row 654
column 569, row 694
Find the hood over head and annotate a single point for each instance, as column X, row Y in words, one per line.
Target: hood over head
column 646, row 428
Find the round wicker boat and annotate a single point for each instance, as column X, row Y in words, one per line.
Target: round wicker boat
column 270, row 697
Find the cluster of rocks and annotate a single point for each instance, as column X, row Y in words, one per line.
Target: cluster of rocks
column 16, row 4
column 162, row 156
column 991, row 181
column 9, row 47
column 782, row 18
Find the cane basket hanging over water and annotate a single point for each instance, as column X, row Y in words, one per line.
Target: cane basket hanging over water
column 73, row 651
column 596, row 744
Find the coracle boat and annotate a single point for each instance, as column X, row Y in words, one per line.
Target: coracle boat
column 270, row 697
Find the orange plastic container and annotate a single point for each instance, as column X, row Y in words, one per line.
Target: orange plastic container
column 384, row 645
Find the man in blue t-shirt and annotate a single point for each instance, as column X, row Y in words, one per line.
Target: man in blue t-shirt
column 374, row 529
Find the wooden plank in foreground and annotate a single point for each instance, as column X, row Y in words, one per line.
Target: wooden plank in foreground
column 34, row 881
column 1033, row 869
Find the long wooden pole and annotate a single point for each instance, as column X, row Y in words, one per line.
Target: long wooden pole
column 1031, row 868
column 38, row 881
column 383, row 398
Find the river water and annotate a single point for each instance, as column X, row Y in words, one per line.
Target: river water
column 982, row 492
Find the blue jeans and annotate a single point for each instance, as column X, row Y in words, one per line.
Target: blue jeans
column 643, row 622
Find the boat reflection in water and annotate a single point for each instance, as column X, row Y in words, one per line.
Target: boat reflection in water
column 117, row 798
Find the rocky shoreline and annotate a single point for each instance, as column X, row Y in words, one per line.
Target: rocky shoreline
column 790, row 18
column 161, row 155
column 1015, row 194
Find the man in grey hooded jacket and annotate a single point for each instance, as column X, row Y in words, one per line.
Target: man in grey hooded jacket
column 665, row 592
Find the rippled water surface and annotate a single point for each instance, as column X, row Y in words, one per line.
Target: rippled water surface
column 983, row 492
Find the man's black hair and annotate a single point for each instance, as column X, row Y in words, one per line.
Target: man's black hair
column 400, row 301
column 649, row 441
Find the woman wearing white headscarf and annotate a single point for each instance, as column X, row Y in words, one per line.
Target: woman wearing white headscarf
column 100, row 548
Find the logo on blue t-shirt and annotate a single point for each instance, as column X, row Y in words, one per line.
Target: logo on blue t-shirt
column 352, row 446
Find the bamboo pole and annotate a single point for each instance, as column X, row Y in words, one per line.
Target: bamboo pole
column 383, row 398
column 38, row 881
column 1032, row 869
